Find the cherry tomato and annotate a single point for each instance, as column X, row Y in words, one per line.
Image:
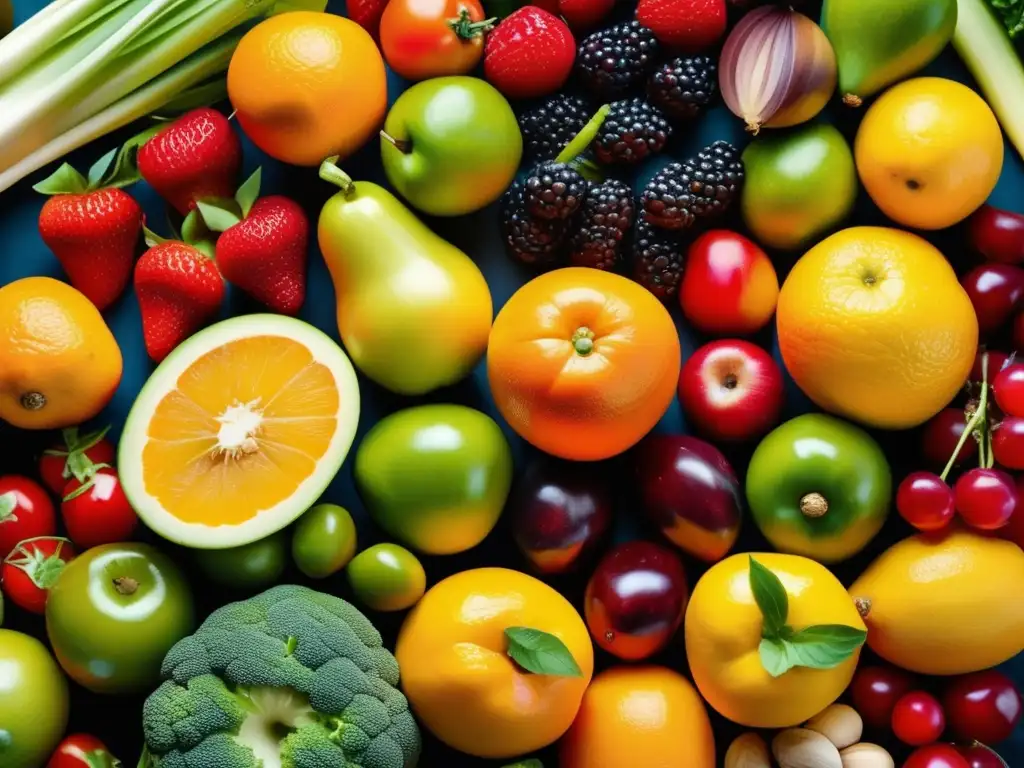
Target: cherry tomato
column 936, row 756
column 97, row 511
column 1008, row 388
column 941, row 435
column 998, row 235
column 80, row 750
column 31, row 568
column 73, row 456
column 983, row 706
column 25, row 512
column 433, row 38
column 918, row 719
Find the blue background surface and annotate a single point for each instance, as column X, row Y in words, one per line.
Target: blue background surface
column 116, row 721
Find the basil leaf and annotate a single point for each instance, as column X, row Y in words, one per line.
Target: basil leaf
column 540, row 652
column 248, row 192
column 774, row 657
column 824, row 646
column 771, row 598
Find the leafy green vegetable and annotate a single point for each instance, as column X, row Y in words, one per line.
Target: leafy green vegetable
column 540, row 652
column 1011, row 13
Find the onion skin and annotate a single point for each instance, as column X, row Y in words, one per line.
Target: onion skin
column 777, row 69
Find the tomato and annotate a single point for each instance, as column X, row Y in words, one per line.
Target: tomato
column 96, row 511
column 432, row 38
column 72, row 457
column 33, row 701
column 31, row 569
column 80, row 750
column 251, row 566
column 25, row 512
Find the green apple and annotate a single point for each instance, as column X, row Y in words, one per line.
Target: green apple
column 451, row 145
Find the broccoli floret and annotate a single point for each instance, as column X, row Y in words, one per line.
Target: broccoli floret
column 291, row 678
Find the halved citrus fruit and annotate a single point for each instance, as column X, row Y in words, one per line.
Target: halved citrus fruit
column 239, row 431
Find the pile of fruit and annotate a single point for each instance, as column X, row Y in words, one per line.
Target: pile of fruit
column 528, row 488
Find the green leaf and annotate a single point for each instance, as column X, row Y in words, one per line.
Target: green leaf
column 218, row 214
column 825, row 646
column 531, row 763
column 64, row 181
column 249, row 192
column 287, row 6
column 152, row 238
column 193, row 228
column 540, row 652
column 101, row 758
column 770, row 596
column 1011, row 13
column 774, row 657
column 99, row 169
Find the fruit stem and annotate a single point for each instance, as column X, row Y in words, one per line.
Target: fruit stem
column 977, row 418
column 583, row 341
column 813, row 505
column 852, row 100
column 466, row 29
column 33, row 401
column 331, row 173
column 403, row 146
column 863, row 606
column 126, row 585
column 583, row 139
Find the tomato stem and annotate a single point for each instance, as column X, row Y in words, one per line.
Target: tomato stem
column 466, row 29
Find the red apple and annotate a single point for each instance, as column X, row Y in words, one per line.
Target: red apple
column 731, row 390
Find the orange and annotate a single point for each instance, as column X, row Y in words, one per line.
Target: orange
column 873, row 325
column 459, row 678
column 929, row 152
column 59, row 362
column 238, row 431
column 640, row 716
column 583, row 363
column 308, row 85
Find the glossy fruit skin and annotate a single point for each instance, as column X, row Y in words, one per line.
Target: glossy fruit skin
column 995, row 291
column 843, row 351
column 106, row 640
column 918, row 719
column 25, row 512
column 925, row 501
column 100, row 515
column 954, row 585
column 979, row 756
column 635, row 599
column 559, row 512
column 529, row 54
column 984, row 706
column 998, row 235
column 929, row 152
column 52, row 465
column 81, row 750
column 941, row 435
column 875, row 691
column 250, row 567
column 723, row 630
column 435, row 477
column 729, row 286
column 1008, row 388
column 28, row 584
column 61, row 362
column 808, row 459
column 731, row 390
column 461, row 145
column 606, row 378
column 386, row 577
column 985, row 498
column 324, row 540
column 418, row 41
column 690, row 491
column 1008, row 443
column 936, row 756
column 639, row 715
column 33, row 700
column 996, row 361
column 461, row 683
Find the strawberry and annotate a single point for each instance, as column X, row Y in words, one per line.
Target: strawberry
column 530, row 53
column 179, row 289
column 92, row 226
column 690, row 25
column 367, row 13
column 584, row 14
column 198, row 155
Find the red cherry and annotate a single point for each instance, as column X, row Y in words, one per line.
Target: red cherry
column 1008, row 443
column 1018, row 332
column 996, row 361
column 983, row 706
column 998, row 235
column 875, row 691
column 925, row 501
column 995, row 291
column 918, row 719
column 980, row 756
column 985, row 498
column 1008, row 388
column 936, row 756
column 941, row 435
column 1014, row 530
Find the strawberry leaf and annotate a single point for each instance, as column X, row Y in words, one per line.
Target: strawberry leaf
column 99, row 169
column 219, row 214
column 249, row 192
column 540, row 652
column 152, row 238
column 206, row 247
column 64, row 181
column 101, row 758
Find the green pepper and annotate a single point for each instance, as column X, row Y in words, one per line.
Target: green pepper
column 820, row 487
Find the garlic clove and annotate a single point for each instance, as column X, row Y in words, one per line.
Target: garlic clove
column 865, row 755
column 838, row 723
column 748, row 751
column 803, row 748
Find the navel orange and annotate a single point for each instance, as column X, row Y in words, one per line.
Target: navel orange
column 873, row 325
column 238, row 431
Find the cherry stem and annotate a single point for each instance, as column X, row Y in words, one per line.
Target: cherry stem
column 977, row 418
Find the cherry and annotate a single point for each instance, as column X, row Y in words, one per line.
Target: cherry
column 983, row 706
column 941, row 435
column 936, row 756
column 980, row 756
column 1008, row 442
column 985, row 498
column 997, row 235
column 875, row 691
column 996, row 361
column 1008, row 387
column 1018, row 332
column 925, row 501
column 918, row 719
column 995, row 291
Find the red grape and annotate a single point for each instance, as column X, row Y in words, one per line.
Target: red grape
column 936, row 756
column 983, row 706
column 1008, row 387
column 918, row 719
column 875, row 691
column 940, row 436
column 985, row 498
column 995, row 291
column 925, row 501
column 1008, row 442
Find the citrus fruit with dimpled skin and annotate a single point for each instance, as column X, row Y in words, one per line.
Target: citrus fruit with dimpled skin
column 238, row 431
column 874, row 326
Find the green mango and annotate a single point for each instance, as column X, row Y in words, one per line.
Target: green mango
column 435, row 477
column 799, row 184
column 414, row 312
column 878, row 42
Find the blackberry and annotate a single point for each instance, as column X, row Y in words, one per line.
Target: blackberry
column 537, row 242
column 632, row 131
column 604, row 226
column 614, row 61
column 697, row 188
column 548, row 128
column 657, row 260
column 554, row 191
column 682, row 88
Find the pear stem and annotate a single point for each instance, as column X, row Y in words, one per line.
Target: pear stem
column 403, row 146
column 331, row 173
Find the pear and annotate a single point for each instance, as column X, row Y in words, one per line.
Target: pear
column 878, row 42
